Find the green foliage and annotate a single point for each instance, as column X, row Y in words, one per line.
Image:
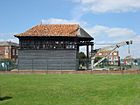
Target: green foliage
column 70, row 89
column 97, row 59
column 135, row 61
column 82, row 55
column 82, row 59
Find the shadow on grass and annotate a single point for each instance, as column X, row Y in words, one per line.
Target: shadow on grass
column 5, row 98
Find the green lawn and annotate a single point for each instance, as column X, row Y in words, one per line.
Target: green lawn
column 69, row 89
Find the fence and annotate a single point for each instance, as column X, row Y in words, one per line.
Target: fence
column 48, row 64
column 85, row 64
column 64, row 64
column 7, row 65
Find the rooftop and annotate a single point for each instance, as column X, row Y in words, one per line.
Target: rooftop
column 48, row 30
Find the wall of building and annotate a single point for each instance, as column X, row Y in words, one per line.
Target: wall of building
column 5, row 52
column 113, row 57
column 9, row 52
column 2, row 52
column 47, row 60
column 14, row 53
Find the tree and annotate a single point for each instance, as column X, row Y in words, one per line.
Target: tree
column 82, row 59
column 135, row 61
column 82, row 55
column 97, row 59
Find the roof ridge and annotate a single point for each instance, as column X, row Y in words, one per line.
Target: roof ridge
column 57, row 25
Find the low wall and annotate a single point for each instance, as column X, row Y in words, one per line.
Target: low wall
column 71, row 72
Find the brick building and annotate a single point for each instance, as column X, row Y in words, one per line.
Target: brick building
column 8, row 50
column 113, row 58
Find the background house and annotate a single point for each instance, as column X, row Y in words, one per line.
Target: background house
column 8, row 50
column 113, row 58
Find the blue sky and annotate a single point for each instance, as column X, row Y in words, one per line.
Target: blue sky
column 108, row 21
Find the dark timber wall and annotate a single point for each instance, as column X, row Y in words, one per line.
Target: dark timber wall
column 47, row 60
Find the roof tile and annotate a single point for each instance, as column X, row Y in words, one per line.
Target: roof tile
column 52, row 30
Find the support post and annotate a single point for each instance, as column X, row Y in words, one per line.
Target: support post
column 87, row 51
column 77, row 52
column 87, row 61
column 91, row 47
column 77, row 57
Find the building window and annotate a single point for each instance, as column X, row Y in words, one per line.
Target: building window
column 115, row 53
column 115, row 58
column 100, row 53
column 110, row 58
column 6, row 50
column 13, row 52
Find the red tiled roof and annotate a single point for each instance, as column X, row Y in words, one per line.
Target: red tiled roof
column 52, row 30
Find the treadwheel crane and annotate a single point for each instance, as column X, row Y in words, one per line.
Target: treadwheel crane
column 114, row 47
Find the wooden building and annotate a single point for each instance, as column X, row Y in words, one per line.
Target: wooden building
column 52, row 47
column 8, row 50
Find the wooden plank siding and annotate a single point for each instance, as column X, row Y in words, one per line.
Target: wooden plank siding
column 47, row 60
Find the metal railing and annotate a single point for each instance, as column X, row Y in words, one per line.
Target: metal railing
column 7, row 65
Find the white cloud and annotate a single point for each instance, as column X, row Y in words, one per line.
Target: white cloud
column 97, row 30
column 120, row 32
column 12, row 40
column 62, row 21
column 134, row 48
column 114, row 33
column 8, row 37
column 137, row 39
column 102, row 6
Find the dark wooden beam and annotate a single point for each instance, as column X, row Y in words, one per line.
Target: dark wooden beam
column 87, row 51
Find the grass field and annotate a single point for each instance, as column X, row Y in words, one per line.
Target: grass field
column 69, row 89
